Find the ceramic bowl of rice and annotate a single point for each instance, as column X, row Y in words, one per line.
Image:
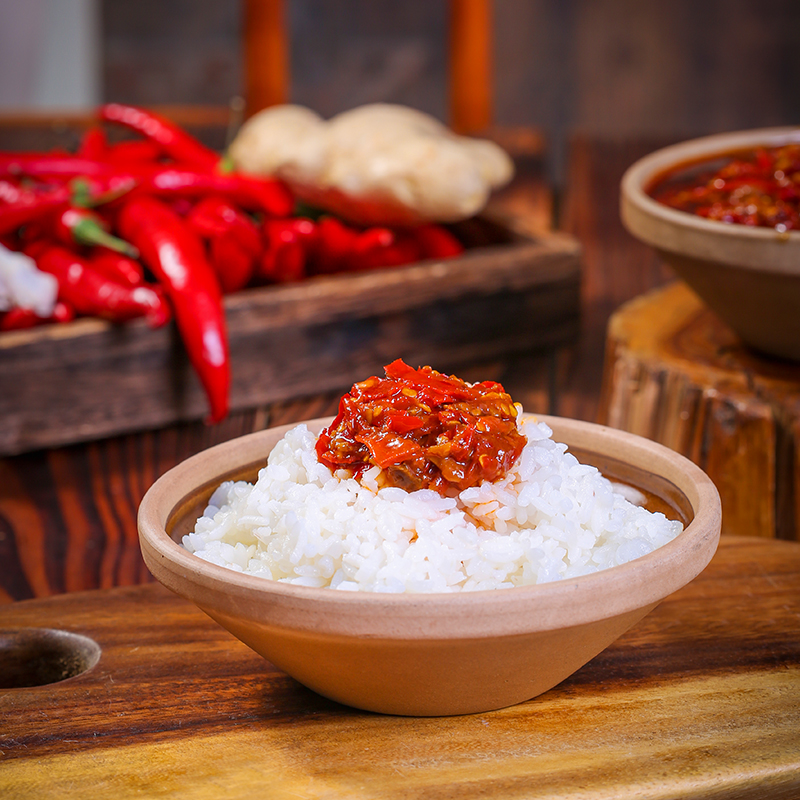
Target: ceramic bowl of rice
column 414, row 603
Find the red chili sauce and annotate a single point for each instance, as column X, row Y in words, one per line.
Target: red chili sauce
column 758, row 187
column 425, row 430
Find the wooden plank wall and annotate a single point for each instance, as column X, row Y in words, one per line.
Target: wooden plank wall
column 611, row 67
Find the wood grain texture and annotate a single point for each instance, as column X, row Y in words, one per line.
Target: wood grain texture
column 68, row 514
column 677, row 374
column 700, row 700
column 616, row 267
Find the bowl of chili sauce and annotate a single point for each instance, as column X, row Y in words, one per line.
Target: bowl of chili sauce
column 724, row 212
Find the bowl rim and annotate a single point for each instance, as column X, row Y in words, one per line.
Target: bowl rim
column 478, row 614
column 655, row 222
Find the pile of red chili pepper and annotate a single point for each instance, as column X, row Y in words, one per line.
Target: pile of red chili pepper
column 425, row 430
column 758, row 187
column 158, row 226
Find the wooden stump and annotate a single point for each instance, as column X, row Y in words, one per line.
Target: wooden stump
column 676, row 374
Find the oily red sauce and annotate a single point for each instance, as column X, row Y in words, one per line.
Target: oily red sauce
column 425, row 430
column 759, row 187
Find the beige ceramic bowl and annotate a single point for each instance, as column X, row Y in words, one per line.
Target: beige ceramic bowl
column 433, row 654
column 749, row 276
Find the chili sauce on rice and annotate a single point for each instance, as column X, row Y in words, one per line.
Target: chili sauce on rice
column 424, row 483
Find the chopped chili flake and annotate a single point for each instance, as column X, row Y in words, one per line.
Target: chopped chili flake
column 425, row 430
column 758, row 187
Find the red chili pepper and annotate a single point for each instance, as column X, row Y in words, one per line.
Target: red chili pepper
column 90, row 192
column 295, row 229
column 333, row 243
column 207, row 218
column 50, row 165
column 264, row 195
column 377, row 248
column 399, row 252
column 402, row 422
column 233, row 265
column 31, row 206
column 234, row 241
column 37, row 244
column 21, row 318
column 283, row 262
column 94, row 144
column 136, row 153
column 182, row 206
column 62, row 312
column 288, row 246
column 93, row 294
column 369, row 248
column 83, row 190
column 215, row 215
column 17, row 319
column 116, row 266
column 81, row 226
column 434, row 241
column 175, row 256
column 10, row 192
column 337, row 247
column 175, row 141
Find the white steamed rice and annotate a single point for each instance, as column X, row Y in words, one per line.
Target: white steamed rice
column 548, row 519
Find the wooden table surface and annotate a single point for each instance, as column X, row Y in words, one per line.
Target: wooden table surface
column 700, row 700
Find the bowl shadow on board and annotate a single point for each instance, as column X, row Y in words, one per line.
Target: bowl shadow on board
column 435, row 654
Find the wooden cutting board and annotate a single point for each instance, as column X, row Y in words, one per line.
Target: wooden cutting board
column 700, row 700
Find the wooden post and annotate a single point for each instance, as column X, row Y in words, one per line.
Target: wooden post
column 471, row 69
column 676, row 374
column 266, row 54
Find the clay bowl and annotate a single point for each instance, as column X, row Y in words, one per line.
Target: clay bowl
column 750, row 277
column 434, row 654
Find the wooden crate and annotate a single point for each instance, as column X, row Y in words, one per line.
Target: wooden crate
column 93, row 413
column 87, row 380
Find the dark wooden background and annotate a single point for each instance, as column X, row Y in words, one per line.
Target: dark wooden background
column 674, row 68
